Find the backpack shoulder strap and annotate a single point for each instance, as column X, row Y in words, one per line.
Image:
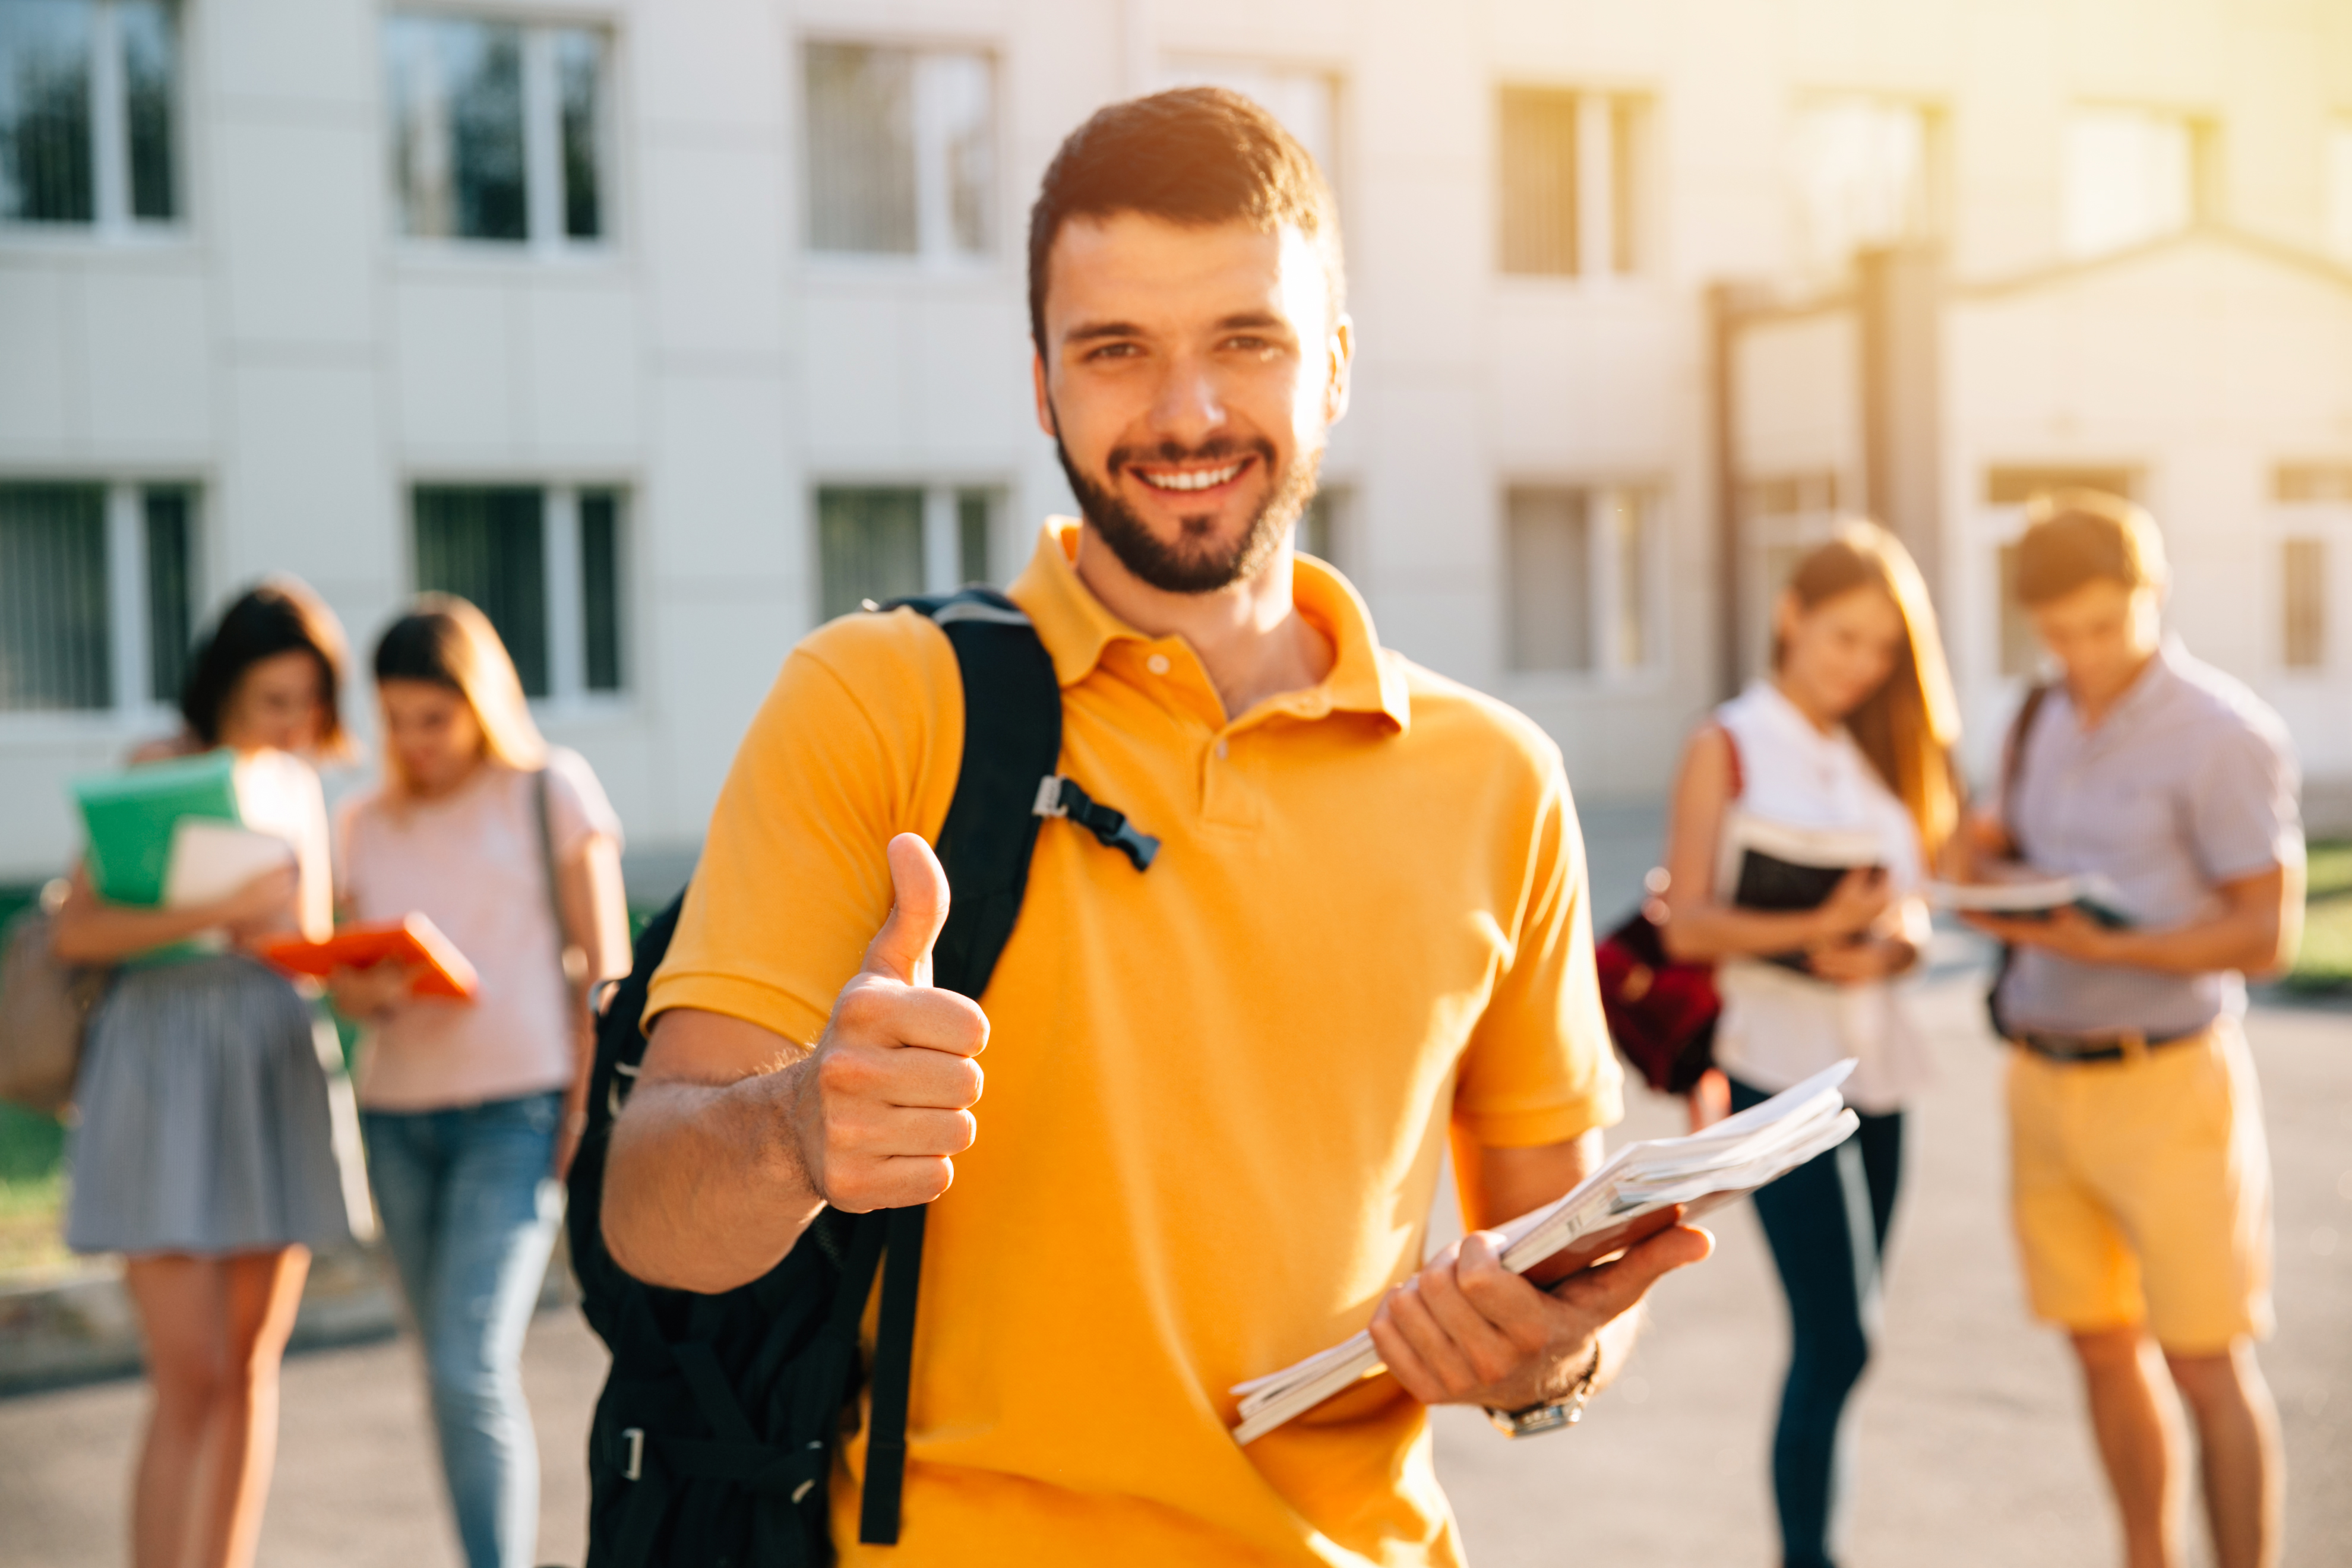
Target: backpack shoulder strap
column 1011, row 740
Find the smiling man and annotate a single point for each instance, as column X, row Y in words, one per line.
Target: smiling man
column 1217, row 1094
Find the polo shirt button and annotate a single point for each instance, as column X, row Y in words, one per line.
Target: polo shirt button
column 1156, row 664
column 1221, row 748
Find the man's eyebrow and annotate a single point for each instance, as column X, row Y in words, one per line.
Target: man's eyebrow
column 1253, row 321
column 1094, row 332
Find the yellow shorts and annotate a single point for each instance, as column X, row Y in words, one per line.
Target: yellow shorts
column 2141, row 1191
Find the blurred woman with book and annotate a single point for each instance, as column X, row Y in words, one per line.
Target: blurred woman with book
column 472, row 1108
column 204, row 1150
column 1841, row 758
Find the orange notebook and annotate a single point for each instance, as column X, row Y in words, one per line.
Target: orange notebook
column 414, row 940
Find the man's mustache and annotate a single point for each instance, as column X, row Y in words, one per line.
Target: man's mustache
column 1221, row 449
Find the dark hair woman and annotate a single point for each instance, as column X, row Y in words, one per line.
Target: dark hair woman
column 205, row 1151
column 508, row 845
column 1849, row 738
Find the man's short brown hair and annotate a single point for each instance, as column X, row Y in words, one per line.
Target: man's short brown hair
column 2078, row 536
column 1198, row 156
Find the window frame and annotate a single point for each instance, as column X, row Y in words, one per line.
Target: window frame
column 943, row 492
column 1614, row 193
column 544, row 241
column 565, row 612
column 2204, row 195
column 132, row 705
column 1605, row 586
column 1935, row 175
column 2323, row 518
column 928, row 258
column 113, row 226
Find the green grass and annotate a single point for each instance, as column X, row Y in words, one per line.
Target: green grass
column 2324, row 964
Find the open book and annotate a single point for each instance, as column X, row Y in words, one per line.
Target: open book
column 1633, row 1195
column 2034, row 898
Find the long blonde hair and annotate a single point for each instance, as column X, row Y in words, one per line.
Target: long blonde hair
column 1909, row 726
column 446, row 641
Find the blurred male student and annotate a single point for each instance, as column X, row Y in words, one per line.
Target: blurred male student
column 2140, row 1177
column 1218, row 1092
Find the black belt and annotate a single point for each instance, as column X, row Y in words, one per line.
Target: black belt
column 2097, row 1047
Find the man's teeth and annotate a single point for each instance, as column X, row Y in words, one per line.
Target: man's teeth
column 1199, row 480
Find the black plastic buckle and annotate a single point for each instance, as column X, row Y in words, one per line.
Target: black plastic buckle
column 1058, row 796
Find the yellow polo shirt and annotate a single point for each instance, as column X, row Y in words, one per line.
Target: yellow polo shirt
column 1217, row 1091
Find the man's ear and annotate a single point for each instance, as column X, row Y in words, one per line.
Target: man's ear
column 1341, row 345
column 1045, row 420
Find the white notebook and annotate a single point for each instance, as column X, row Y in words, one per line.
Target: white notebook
column 212, row 858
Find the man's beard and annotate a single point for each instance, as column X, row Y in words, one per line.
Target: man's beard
column 1193, row 563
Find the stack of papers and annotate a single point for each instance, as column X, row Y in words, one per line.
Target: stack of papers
column 1633, row 1195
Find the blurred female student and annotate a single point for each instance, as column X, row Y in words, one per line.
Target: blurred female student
column 1851, row 735
column 471, row 1109
column 204, row 1151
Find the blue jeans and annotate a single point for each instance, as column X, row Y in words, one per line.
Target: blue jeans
column 470, row 1210
column 1826, row 1222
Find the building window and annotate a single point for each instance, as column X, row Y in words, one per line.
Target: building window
column 2017, row 485
column 96, row 594
column 1572, row 182
column 88, row 110
column 2302, row 607
column 1326, row 528
column 2020, row 649
column 901, row 150
column 879, row 542
column 2339, row 175
column 1305, row 102
column 545, row 564
column 2313, row 482
column 2132, row 175
column 1864, row 177
column 1581, row 593
column 499, row 131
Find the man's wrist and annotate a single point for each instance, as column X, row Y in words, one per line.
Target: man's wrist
column 1566, row 1409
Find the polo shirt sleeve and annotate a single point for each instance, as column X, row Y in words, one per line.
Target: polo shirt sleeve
column 858, row 741
column 2243, row 812
column 1539, row 1067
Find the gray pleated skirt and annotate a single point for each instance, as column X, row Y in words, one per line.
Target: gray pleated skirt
column 205, row 1123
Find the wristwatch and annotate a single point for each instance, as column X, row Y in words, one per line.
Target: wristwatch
column 1549, row 1417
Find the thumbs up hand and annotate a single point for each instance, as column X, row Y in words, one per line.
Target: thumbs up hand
column 886, row 1104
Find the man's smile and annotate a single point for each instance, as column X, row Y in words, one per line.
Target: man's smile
column 1189, row 479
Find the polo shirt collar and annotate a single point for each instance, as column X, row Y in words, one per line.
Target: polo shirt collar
column 1076, row 628
column 2158, row 677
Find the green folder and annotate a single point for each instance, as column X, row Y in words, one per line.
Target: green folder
column 130, row 817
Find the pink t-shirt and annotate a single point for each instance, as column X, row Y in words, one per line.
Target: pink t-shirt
column 472, row 862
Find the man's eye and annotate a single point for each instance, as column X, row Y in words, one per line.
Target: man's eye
column 1114, row 350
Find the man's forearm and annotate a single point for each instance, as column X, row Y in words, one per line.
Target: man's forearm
column 2243, row 939
column 702, row 1189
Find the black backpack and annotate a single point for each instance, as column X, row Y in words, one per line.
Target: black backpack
column 712, row 1442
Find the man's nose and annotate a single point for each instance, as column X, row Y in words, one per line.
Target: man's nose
column 1190, row 407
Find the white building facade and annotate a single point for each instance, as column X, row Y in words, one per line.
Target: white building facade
column 665, row 328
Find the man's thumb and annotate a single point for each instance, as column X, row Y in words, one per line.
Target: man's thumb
column 918, row 908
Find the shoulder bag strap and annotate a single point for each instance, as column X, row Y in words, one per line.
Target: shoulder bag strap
column 2012, row 768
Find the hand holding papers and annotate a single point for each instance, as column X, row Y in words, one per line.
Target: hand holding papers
column 1634, row 1195
column 2033, row 898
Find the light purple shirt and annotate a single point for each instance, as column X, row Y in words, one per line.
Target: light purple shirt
column 2188, row 782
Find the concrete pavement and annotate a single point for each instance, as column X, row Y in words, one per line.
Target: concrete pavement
column 1971, row 1446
